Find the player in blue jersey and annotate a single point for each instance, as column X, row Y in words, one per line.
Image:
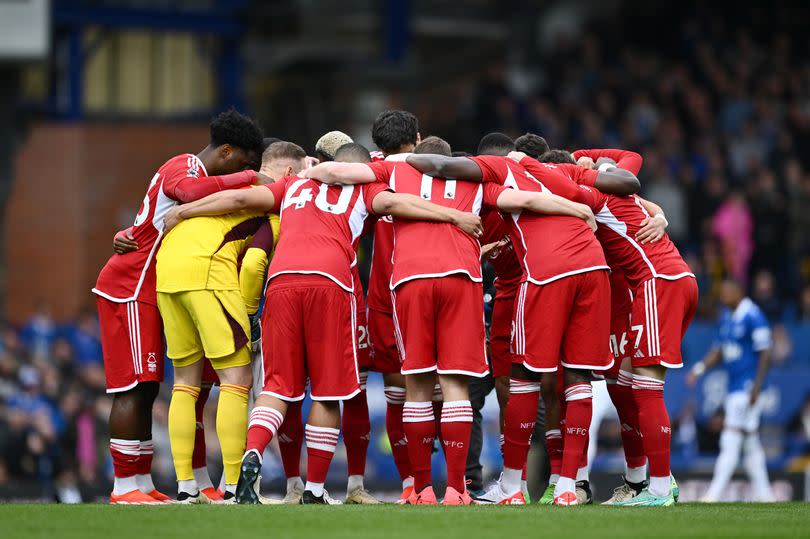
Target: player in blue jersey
column 743, row 346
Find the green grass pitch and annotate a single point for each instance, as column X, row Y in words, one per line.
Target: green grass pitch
column 394, row 522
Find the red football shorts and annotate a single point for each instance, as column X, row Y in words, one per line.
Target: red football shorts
column 363, row 346
column 309, row 326
column 662, row 311
column 565, row 322
column 500, row 336
column 440, row 326
column 384, row 351
column 132, row 343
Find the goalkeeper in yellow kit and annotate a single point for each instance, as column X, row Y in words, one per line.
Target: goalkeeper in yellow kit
column 205, row 302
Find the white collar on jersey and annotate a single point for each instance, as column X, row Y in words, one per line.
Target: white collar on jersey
column 745, row 306
column 398, row 156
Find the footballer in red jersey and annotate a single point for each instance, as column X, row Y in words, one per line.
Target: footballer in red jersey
column 131, row 327
column 665, row 298
column 437, row 297
column 309, row 321
column 564, row 297
column 394, row 132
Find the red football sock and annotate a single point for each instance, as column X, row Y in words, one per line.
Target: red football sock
column 653, row 421
column 420, row 429
column 290, row 439
column 125, row 455
column 521, row 413
column 554, row 447
column 262, row 426
column 321, row 443
column 144, row 465
column 198, row 458
column 578, row 411
column 456, row 424
column 356, row 433
column 621, row 393
column 395, row 399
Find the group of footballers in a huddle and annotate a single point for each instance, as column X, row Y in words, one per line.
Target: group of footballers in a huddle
column 222, row 258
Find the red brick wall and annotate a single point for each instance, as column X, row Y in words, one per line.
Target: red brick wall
column 74, row 187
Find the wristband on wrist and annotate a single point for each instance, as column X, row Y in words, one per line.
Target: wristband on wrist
column 699, row 369
column 605, row 166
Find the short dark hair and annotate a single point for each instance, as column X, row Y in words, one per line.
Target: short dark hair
column 434, row 144
column 394, row 129
column 352, row 152
column 238, row 130
column 558, row 157
column 283, row 150
column 496, row 144
column 532, row 145
column 267, row 141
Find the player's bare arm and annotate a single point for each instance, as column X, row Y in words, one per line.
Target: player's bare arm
column 711, row 360
column 406, row 206
column 335, row 172
column 511, row 200
column 451, row 168
column 653, row 227
column 224, row 202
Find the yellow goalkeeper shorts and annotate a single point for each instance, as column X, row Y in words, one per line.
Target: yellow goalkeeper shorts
column 213, row 323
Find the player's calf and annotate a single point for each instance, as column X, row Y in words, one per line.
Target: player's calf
column 578, row 398
column 654, row 425
column 321, row 434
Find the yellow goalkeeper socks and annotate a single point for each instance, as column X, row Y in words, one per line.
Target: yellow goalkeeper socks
column 182, row 428
column 232, row 420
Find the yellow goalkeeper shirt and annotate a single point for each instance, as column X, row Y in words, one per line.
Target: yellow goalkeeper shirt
column 203, row 253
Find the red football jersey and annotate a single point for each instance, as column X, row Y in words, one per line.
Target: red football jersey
column 619, row 219
column 379, row 279
column 427, row 250
column 549, row 247
column 132, row 276
column 320, row 227
column 508, row 273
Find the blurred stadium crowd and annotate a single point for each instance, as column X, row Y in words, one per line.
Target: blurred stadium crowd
column 723, row 122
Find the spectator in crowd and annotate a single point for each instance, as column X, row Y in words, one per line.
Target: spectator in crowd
column 733, row 226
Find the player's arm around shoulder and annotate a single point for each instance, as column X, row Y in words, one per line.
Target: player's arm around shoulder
column 338, row 172
column 440, row 166
column 411, row 207
column 260, row 199
column 511, row 200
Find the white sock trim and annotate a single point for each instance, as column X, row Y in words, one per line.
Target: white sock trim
column 625, row 378
column 323, row 438
column 394, row 394
column 578, row 392
column 647, row 382
column 457, row 412
column 126, row 447
column 417, row 412
column 517, row 387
